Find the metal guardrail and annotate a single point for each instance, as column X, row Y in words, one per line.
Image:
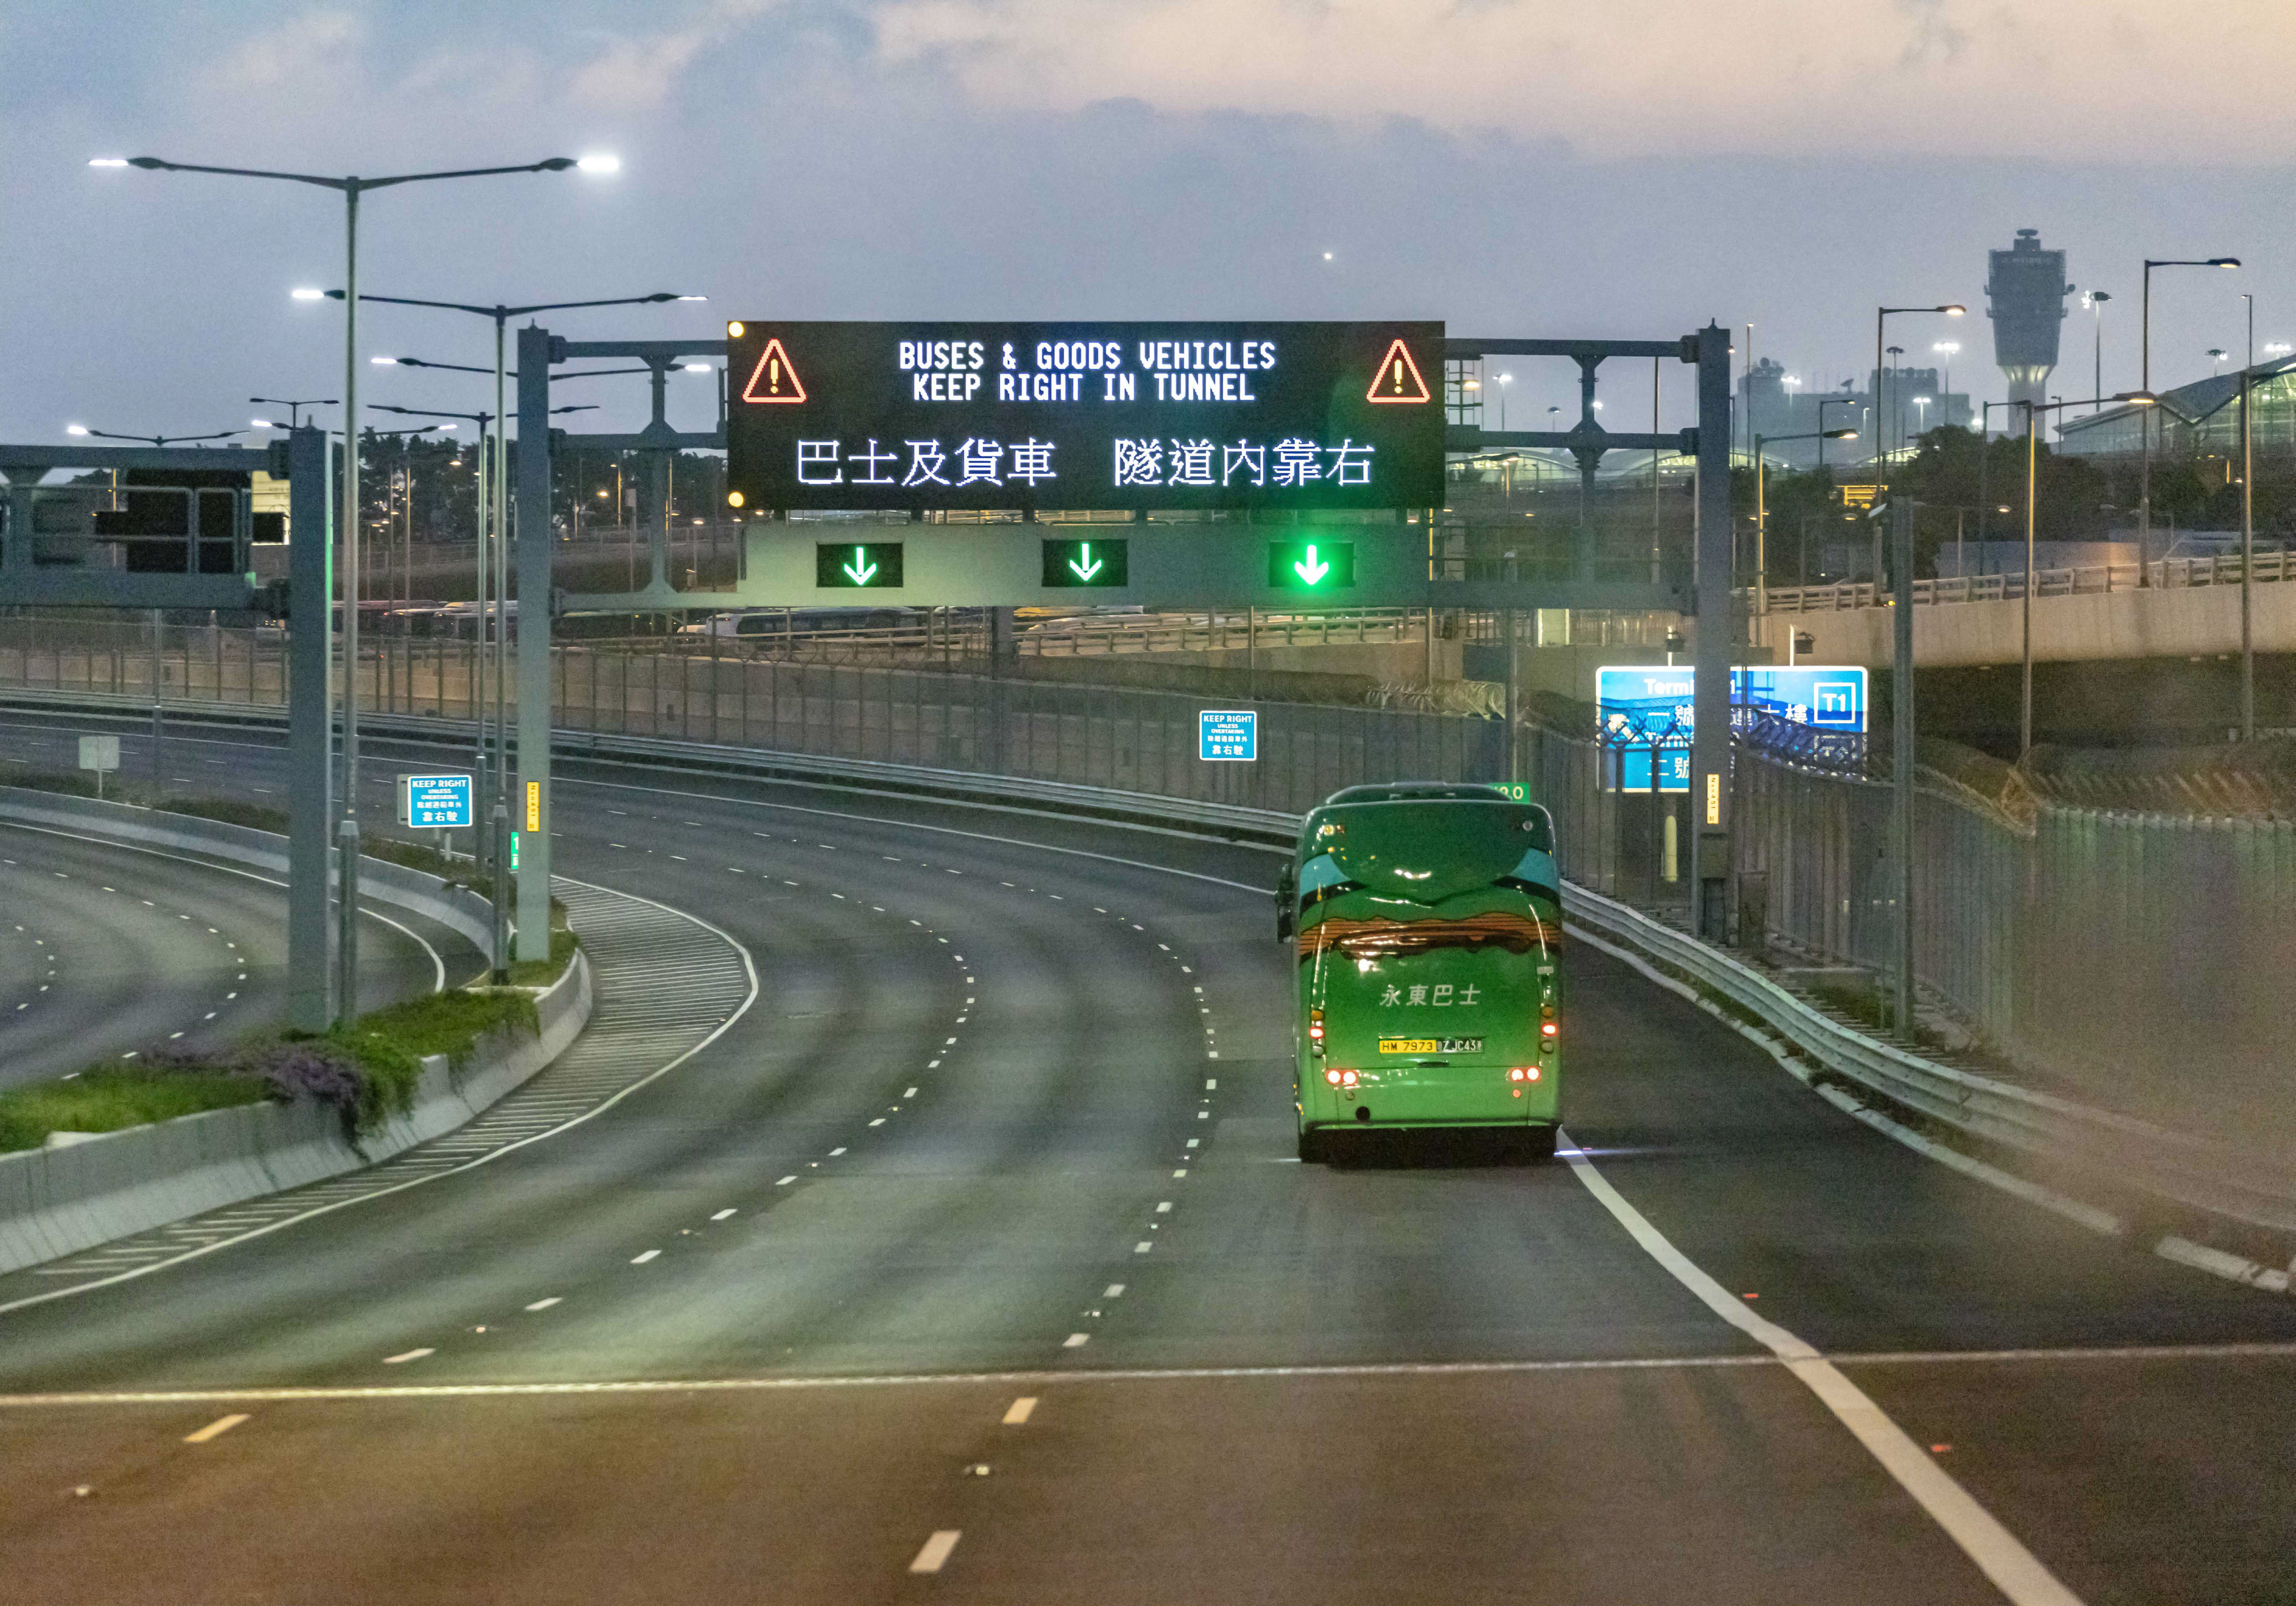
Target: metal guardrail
column 2117, row 1153
column 2166, row 574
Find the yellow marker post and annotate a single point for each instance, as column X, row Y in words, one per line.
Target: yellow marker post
column 534, row 806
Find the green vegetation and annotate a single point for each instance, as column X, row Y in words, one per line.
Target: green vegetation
column 367, row 1072
column 109, row 1098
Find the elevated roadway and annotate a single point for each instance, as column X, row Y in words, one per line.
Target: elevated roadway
column 972, row 1263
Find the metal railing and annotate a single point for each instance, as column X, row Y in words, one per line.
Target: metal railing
column 2138, row 958
column 2166, row 574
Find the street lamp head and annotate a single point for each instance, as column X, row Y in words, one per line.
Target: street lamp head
column 2224, row 261
column 304, row 293
column 699, row 368
column 149, row 164
column 600, row 162
column 2100, row 295
column 1840, row 434
column 75, row 429
column 1953, row 310
column 386, row 362
column 107, row 162
column 2137, row 398
column 261, row 423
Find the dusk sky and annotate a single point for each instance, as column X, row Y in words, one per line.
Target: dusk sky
column 1528, row 168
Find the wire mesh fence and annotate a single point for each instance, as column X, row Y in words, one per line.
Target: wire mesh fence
column 2141, row 957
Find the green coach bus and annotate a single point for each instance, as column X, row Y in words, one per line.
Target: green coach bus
column 1428, row 923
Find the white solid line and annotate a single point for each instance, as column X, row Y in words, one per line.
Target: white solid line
column 878, row 1122
column 786, row 1182
column 1076, row 1340
column 1015, row 1414
column 723, row 1214
column 935, row 1553
column 411, row 1354
column 2013, row 1569
column 642, row 1259
column 224, row 1424
column 834, row 1154
column 544, row 1304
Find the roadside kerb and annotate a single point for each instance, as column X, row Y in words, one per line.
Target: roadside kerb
column 57, row 1201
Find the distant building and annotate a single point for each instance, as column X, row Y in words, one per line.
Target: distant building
column 2197, row 424
column 2026, row 290
column 1913, row 400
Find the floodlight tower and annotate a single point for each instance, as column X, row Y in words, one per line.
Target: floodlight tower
column 2026, row 291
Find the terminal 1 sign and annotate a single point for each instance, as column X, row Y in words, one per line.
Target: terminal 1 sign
column 1285, row 416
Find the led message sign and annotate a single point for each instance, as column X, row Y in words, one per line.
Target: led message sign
column 923, row 416
column 1092, row 563
column 857, row 566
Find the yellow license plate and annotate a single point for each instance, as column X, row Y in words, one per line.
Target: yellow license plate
column 1408, row 1045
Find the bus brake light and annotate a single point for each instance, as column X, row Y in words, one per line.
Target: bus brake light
column 1548, row 1028
column 1333, row 1077
column 1348, row 1078
column 1523, row 1073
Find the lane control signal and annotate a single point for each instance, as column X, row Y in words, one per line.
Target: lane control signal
column 1315, row 1031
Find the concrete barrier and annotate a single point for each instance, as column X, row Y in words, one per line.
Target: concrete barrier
column 60, row 1201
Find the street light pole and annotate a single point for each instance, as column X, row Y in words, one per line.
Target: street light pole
column 351, row 188
column 494, row 569
column 2096, row 300
column 2032, row 467
column 2247, row 537
column 1901, row 689
column 1762, row 508
column 2144, row 384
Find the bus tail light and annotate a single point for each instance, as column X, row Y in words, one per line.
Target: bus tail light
column 1347, row 1078
column 1333, row 1077
column 1549, row 1030
column 1315, row 1031
column 1523, row 1073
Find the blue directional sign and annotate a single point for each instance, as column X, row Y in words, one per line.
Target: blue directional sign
column 436, row 802
column 1647, row 708
column 1228, row 735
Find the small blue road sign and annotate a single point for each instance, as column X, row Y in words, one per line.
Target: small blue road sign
column 1228, row 734
column 436, row 800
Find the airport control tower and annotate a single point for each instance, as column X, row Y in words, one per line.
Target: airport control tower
column 2026, row 291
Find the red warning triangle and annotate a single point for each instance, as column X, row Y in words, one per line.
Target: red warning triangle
column 775, row 379
column 1398, row 378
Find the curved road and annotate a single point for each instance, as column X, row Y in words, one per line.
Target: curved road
column 107, row 951
column 984, row 1223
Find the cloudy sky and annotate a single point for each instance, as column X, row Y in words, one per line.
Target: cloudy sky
column 1513, row 167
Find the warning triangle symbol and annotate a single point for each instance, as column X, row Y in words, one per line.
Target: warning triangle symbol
column 775, row 379
column 1399, row 379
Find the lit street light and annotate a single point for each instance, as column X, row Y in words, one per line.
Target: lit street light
column 351, row 187
column 294, row 408
column 499, row 511
column 155, row 440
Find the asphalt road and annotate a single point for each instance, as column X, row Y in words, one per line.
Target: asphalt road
column 107, row 950
column 764, row 1330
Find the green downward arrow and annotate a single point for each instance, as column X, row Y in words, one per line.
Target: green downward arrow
column 1085, row 566
column 1311, row 570
column 860, row 570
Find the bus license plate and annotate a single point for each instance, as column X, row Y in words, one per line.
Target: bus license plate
column 1431, row 1046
